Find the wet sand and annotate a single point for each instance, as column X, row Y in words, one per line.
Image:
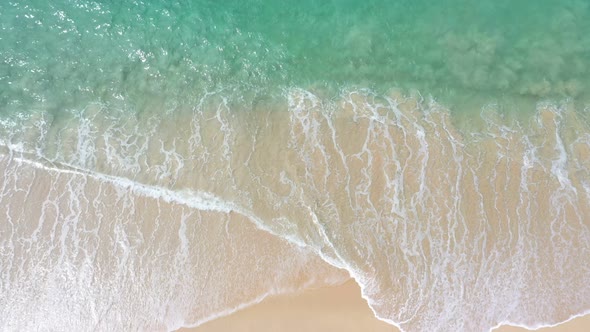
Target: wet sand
column 339, row 308
column 448, row 229
column 580, row 324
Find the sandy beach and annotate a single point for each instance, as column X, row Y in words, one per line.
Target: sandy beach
column 338, row 309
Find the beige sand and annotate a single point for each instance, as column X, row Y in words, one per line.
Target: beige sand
column 326, row 309
column 580, row 324
column 338, row 309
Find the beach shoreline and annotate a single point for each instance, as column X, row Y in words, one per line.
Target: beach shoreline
column 336, row 308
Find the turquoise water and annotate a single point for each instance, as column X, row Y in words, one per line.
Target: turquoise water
column 164, row 163
column 60, row 54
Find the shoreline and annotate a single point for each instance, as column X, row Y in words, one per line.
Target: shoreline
column 578, row 323
column 337, row 308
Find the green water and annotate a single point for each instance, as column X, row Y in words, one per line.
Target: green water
column 63, row 54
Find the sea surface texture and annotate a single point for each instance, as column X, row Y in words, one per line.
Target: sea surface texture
column 164, row 163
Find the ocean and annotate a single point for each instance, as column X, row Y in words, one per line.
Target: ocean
column 165, row 163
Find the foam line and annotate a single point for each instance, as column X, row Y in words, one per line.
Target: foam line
column 199, row 200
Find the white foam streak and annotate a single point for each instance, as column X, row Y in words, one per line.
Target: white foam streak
column 199, row 200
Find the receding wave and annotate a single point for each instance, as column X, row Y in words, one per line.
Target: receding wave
column 150, row 220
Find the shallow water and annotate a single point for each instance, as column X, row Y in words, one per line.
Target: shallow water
column 167, row 163
column 65, row 53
